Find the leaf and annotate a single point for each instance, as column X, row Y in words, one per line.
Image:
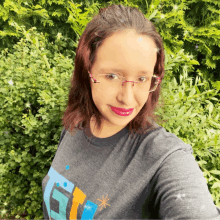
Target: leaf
column 211, row 108
column 188, row 112
column 193, row 115
column 210, row 63
column 33, row 122
column 153, row 14
column 192, row 92
column 2, row 169
column 217, row 172
column 216, row 138
column 197, row 90
column 214, row 123
column 37, row 7
column 181, row 111
column 201, row 162
column 216, row 185
column 17, row 159
column 46, row 61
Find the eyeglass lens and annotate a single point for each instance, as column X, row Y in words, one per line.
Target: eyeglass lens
column 112, row 82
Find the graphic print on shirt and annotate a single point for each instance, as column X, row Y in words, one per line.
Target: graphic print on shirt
column 79, row 197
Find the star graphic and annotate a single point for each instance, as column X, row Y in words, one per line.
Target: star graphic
column 88, row 207
column 179, row 196
column 104, row 200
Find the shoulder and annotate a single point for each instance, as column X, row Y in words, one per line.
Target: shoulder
column 160, row 143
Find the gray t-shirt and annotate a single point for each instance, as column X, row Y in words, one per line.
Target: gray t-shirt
column 152, row 176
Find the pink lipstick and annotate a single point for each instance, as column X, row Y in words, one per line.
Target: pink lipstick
column 122, row 111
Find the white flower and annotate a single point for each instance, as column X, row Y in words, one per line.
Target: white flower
column 191, row 56
column 59, row 35
column 5, row 203
column 175, row 7
column 185, row 32
column 12, row 23
column 10, row 82
column 211, row 130
column 152, row 6
column 162, row 16
column 4, row 211
column 28, row 104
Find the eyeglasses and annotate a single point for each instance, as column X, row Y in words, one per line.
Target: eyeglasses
column 112, row 82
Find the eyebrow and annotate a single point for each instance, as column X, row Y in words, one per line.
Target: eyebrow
column 123, row 71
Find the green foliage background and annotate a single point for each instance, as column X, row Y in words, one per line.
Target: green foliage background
column 38, row 40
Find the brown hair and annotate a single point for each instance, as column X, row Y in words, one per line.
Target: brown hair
column 81, row 107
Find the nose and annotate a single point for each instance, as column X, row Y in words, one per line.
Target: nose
column 126, row 93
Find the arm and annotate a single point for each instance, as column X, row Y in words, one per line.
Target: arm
column 181, row 190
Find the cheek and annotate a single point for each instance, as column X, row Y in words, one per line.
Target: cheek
column 100, row 98
column 142, row 100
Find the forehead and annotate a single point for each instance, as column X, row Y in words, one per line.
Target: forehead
column 125, row 52
column 123, row 71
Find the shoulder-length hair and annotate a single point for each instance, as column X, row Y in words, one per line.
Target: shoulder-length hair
column 110, row 20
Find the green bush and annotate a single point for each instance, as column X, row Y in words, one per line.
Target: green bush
column 33, row 93
column 190, row 25
column 49, row 17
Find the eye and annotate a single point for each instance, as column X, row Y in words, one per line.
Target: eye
column 143, row 79
column 110, row 74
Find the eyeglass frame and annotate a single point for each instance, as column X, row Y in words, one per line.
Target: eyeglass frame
column 156, row 83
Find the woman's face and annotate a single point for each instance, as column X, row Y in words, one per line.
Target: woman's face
column 132, row 54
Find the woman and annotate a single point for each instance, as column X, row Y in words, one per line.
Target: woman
column 119, row 163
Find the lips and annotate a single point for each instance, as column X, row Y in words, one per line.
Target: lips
column 122, row 113
column 123, row 109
